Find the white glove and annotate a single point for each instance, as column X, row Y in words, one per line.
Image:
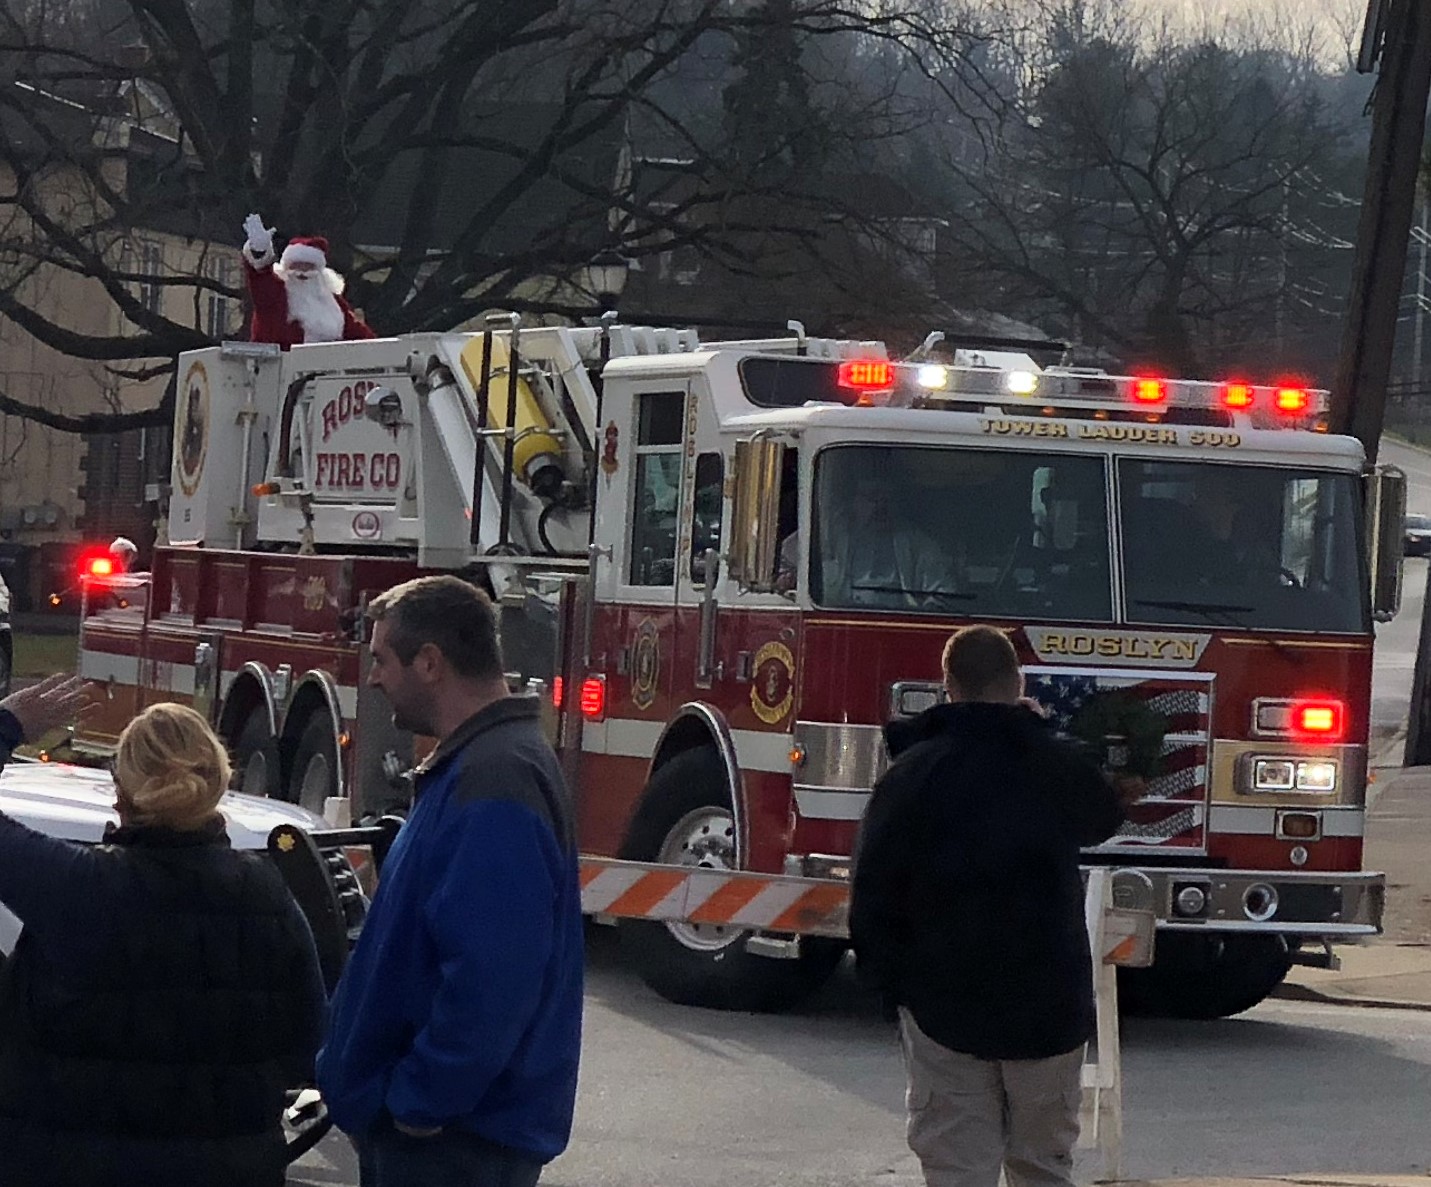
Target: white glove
column 260, row 238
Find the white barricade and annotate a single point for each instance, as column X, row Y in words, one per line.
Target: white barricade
column 1116, row 936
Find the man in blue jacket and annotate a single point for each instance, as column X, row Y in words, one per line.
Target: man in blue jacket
column 456, row 1028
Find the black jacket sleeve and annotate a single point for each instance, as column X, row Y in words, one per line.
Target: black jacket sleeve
column 879, row 902
column 1083, row 794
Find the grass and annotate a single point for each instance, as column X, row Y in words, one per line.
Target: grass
column 42, row 655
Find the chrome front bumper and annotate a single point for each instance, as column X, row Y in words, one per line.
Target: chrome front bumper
column 1285, row 902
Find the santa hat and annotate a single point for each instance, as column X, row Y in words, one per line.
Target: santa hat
column 306, row 249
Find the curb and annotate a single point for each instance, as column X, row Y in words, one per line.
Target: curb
column 1296, row 992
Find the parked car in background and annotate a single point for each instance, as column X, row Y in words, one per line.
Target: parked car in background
column 1416, row 535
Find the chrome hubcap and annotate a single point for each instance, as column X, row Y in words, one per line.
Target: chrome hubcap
column 705, row 839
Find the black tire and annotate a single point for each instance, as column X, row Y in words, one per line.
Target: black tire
column 703, row 965
column 1205, row 976
column 257, row 769
column 313, row 777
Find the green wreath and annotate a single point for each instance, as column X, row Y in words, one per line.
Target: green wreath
column 1123, row 730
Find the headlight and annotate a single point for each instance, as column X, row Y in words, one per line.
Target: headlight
column 1312, row 776
column 1274, row 774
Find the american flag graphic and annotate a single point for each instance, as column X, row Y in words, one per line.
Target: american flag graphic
column 1174, row 812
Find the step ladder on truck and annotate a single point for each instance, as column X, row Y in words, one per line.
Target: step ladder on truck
column 672, row 531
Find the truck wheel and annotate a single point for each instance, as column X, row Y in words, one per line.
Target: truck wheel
column 314, row 774
column 1204, row 977
column 685, row 818
column 256, row 762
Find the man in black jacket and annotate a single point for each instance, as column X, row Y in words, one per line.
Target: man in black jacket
column 967, row 915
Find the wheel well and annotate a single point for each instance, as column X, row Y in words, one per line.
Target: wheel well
column 685, row 733
column 699, row 725
column 308, row 700
column 244, row 697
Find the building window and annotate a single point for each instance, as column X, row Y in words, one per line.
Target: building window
column 219, row 308
column 151, row 264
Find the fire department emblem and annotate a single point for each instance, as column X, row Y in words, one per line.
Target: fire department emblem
column 191, row 443
column 610, row 439
column 645, row 665
column 772, row 689
column 315, row 593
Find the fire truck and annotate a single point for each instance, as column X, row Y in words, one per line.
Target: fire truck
column 724, row 566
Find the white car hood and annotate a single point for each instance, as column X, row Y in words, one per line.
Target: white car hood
column 77, row 803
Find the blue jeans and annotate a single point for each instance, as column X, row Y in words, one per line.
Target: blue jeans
column 388, row 1158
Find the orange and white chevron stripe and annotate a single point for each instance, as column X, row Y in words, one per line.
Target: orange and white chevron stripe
column 767, row 902
column 775, row 903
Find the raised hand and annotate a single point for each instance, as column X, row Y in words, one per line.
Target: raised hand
column 51, row 703
column 260, row 238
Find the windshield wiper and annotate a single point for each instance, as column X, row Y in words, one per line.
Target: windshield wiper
column 913, row 593
column 1220, row 613
column 1196, row 607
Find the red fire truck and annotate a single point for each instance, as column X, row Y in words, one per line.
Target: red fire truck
column 724, row 566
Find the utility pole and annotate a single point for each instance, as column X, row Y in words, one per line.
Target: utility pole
column 1418, row 336
column 1403, row 29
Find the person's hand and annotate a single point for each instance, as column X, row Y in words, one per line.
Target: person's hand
column 260, row 238
column 416, row 1131
column 51, row 703
column 1128, row 788
column 1033, row 706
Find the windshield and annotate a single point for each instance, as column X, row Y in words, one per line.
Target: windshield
column 1253, row 546
column 968, row 532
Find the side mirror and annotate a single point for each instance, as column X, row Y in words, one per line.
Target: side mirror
column 754, row 546
column 1385, row 525
column 384, row 406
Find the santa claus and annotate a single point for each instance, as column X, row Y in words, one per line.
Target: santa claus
column 296, row 297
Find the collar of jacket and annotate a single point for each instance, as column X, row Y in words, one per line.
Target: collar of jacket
column 154, row 836
column 497, row 713
column 979, row 717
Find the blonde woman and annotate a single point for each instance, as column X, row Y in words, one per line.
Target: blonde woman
column 164, row 991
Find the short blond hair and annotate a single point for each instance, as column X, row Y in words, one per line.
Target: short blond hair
column 982, row 664
column 171, row 769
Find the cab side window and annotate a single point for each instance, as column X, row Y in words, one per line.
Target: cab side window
column 709, row 503
column 656, row 497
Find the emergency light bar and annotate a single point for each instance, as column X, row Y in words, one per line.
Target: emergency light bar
column 1071, row 387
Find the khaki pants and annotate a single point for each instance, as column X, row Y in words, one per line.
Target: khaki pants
column 969, row 1118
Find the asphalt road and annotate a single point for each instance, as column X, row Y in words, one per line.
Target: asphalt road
column 675, row 1097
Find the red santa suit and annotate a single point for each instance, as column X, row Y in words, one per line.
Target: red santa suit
column 292, row 306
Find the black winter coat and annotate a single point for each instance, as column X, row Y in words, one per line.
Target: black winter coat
column 967, row 906
column 163, row 995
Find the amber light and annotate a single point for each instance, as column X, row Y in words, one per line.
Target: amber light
column 558, row 691
column 593, row 698
column 1318, row 719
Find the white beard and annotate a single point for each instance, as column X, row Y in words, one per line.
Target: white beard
column 313, row 306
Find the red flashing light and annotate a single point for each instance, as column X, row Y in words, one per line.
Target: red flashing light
column 100, row 566
column 558, row 691
column 1292, row 400
column 593, row 698
column 1237, row 395
column 866, row 374
column 1149, row 390
column 1318, row 719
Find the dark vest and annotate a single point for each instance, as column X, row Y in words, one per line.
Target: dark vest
column 154, row 1044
